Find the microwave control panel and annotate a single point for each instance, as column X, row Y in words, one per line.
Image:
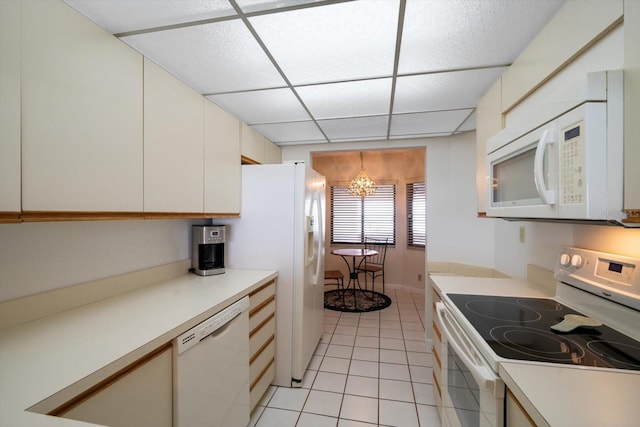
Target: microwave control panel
column 572, row 165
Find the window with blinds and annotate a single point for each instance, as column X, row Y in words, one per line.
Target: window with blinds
column 416, row 214
column 354, row 218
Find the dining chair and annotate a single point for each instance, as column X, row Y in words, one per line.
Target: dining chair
column 374, row 265
column 336, row 276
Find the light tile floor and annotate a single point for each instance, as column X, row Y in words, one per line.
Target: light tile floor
column 370, row 369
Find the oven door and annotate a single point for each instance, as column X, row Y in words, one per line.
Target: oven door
column 472, row 394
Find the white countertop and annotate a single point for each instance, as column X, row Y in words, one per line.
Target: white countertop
column 557, row 395
column 66, row 353
column 574, row 397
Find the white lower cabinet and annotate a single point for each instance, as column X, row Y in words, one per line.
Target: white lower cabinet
column 436, row 351
column 262, row 327
column 138, row 397
column 516, row 416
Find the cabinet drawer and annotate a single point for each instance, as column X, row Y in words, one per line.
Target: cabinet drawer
column 260, row 295
column 261, row 360
column 262, row 313
column 262, row 334
column 261, row 384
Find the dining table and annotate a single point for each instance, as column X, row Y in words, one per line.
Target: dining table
column 354, row 254
column 352, row 297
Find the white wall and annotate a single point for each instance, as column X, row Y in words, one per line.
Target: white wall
column 39, row 257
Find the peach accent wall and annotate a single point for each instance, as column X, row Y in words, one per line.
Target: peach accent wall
column 399, row 167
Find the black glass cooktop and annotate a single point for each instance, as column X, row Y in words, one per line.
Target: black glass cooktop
column 520, row 328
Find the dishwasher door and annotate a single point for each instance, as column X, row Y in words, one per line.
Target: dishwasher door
column 211, row 371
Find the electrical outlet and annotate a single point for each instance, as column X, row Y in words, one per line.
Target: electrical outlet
column 522, row 229
column 419, row 277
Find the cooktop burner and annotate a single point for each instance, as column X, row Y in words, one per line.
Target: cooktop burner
column 520, row 328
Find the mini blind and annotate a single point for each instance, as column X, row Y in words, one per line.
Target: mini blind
column 354, row 218
column 416, row 214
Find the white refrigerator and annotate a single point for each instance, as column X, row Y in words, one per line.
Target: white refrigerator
column 281, row 227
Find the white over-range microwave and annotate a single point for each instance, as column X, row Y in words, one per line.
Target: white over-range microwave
column 569, row 167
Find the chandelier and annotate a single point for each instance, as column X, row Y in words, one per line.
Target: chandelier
column 361, row 185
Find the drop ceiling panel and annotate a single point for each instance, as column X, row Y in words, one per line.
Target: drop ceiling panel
column 469, row 124
column 258, row 5
column 349, row 99
column 355, row 128
column 262, row 106
column 218, row 57
column 443, row 91
column 424, row 123
column 291, row 132
column 453, row 34
column 118, row 16
column 331, row 43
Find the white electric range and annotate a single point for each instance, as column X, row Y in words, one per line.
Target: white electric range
column 480, row 331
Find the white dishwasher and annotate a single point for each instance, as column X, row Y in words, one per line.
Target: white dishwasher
column 211, row 371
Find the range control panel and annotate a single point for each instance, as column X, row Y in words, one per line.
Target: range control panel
column 611, row 276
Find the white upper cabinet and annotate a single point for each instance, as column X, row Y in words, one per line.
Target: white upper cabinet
column 272, row 153
column 222, row 172
column 173, row 144
column 10, row 106
column 81, row 114
column 632, row 108
column 252, row 144
column 489, row 122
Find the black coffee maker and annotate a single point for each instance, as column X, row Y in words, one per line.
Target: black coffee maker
column 207, row 249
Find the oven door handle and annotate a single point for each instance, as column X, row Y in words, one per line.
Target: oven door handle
column 481, row 373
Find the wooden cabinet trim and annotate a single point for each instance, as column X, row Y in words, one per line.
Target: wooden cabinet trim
column 633, row 216
column 437, row 358
column 262, row 374
column 248, row 161
column 515, row 400
column 10, row 217
column 437, row 331
column 435, row 383
column 261, row 305
column 90, row 392
column 52, row 216
column 261, row 349
column 266, row 285
column 261, row 325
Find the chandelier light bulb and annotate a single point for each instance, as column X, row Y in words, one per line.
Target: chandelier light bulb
column 362, row 185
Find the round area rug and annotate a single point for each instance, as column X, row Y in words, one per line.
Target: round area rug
column 355, row 301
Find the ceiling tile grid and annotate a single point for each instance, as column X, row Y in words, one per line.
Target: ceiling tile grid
column 318, row 71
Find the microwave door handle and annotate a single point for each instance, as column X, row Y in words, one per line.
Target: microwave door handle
column 480, row 372
column 548, row 196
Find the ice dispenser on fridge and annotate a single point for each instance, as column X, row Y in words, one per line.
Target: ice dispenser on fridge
column 207, row 249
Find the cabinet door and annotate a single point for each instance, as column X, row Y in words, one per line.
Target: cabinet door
column 81, row 114
column 516, row 416
column 173, row 143
column 489, row 122
column 272, row 153
column 142, row 397
column 9, row 107
column 222, row 168
column 632, row 109
column 252, row 144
